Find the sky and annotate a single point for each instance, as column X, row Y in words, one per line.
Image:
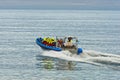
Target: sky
column 61, row 4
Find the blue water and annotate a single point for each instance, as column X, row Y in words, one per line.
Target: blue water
column 20, row 57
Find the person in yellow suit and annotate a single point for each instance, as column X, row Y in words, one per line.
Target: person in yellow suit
column 44, row 41
column 52, row 42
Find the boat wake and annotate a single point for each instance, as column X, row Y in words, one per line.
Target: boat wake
column 88, row 56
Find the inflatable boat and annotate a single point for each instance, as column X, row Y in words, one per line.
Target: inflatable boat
column 58, row 46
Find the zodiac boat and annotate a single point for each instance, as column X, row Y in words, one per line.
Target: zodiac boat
column 58, row 46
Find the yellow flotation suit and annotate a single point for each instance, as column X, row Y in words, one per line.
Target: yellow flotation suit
column 49, row 40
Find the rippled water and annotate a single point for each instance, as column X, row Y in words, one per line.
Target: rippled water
column 21, row 59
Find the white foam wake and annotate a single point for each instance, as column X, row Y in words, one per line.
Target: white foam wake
column 88, row 56
column 102, row 58
column 66, row 55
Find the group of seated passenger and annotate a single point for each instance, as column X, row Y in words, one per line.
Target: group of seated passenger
column 60, row 42
column 49, row 41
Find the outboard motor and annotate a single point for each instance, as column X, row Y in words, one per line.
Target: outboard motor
column 79, row 51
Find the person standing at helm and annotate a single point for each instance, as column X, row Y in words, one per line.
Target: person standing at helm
column 69, row 42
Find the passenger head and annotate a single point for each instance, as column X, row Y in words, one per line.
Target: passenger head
column 69, row 38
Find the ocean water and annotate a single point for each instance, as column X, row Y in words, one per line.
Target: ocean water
column 98, row 33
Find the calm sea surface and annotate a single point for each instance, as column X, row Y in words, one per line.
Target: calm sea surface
column 20, row 57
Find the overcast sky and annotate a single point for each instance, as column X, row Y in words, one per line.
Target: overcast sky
column 61, row 4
